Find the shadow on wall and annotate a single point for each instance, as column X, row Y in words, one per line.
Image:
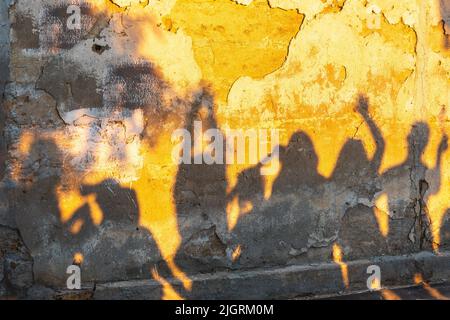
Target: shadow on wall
column 445, row 14
column 280, row 228
column 107, row 225
column 100, row 229
column 105, row 234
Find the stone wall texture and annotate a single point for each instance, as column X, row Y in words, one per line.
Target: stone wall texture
column 358, row 91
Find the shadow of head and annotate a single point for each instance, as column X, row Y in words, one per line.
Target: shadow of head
column 300, row 150
column 418, row 138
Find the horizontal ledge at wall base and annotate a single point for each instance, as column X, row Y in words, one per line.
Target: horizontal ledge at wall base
column 298, row 281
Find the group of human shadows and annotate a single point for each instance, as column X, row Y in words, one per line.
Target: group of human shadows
column 298, row 162
column 208, row 183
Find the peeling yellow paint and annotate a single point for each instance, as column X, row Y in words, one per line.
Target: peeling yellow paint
column 230, row 40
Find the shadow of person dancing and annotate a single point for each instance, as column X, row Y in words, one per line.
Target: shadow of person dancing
column 200, row 192
column 354, row 180
column 353, row 165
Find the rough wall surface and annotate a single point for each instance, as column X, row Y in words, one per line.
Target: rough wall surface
column 4, row 72
column 358, row 91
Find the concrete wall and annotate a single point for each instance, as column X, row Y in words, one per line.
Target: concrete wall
column 4, row 72
column 358, row 93
column 16, row 273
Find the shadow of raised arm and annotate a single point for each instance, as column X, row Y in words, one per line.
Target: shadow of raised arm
column 363, row 109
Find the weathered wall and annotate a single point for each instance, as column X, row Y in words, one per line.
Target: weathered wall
column 359, row 92
column 4, row 72
column 16, row 272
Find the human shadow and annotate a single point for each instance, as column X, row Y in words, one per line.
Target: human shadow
column 353, row 166
column 356, row 174
column 414, row 171
column 200, row 192
column 36, row 209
